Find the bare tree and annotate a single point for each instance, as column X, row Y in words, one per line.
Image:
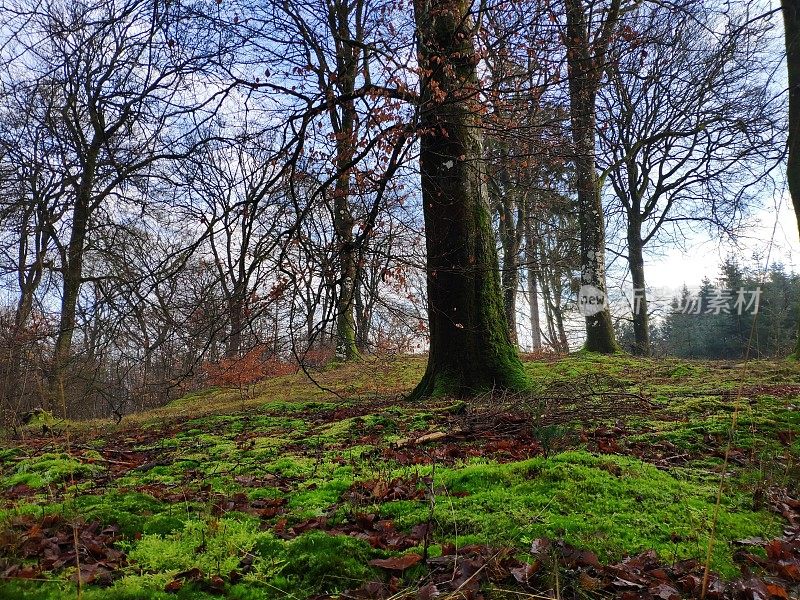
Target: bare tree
column 686, row 130
column 554, row 247
column 587, row 33
column 31, row 204
column 241, row 205
column 123, row 79
column 342, row 67
column 524, row 130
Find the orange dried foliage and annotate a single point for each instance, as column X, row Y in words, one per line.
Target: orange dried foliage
column 246, row 370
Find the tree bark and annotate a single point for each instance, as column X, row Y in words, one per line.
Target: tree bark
column 470, row 348
column 346, row 348
column 363, row 315
column 641, row 320
column 791, row 22
column 533, row 301
column 585, row 70
column 533, row 291
column 236, row 315
column 510, row 241
column 599, row 329
column 343, row 222
column 72, row 275
column 344, row 122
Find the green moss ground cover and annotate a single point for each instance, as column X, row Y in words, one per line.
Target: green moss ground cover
column 292, row 493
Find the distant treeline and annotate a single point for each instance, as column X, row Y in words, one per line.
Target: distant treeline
column 743, row 309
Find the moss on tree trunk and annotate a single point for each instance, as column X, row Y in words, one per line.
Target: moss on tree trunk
column 586, row 58
column 791, row 21
column 470, row 348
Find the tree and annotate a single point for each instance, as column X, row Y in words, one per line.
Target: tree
column 512, row 133
column 511, row 213
column 241, row 202
column 686, row 131
column 470, row 348
column 336, row 82
column 791, row 25
column 525, row 135
column 742, row 314
column 337, row 41
column 554, row 248
column 123, row 81
column 31, row 202
column 587, row 35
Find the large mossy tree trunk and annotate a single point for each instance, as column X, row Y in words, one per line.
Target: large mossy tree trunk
column 470, row 347
column 585, row 61
column 791, row 21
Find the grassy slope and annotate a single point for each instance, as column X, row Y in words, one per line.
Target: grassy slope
column 615, row 454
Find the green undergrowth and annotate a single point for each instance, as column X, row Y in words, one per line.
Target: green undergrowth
column 613, row 505
column 610, row 504
column 179, row 482
column 45, row 469
column 313, row 563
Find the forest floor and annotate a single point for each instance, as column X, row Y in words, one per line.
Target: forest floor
column 614, row 477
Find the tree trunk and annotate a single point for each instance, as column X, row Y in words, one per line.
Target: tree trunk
column 235, row 314
column 363, row 313
column 599, row 329
column 641, row 320
column 563, row 342
column 549, row 317
column 533, row 292
column 346, row 348
column 791, row 21
column 533, row 301
column 509, row 240
column 470, row 348
column 345, row 122
column 584, row 78
column 72, row 275
column 345, row 323
column 552, row 293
